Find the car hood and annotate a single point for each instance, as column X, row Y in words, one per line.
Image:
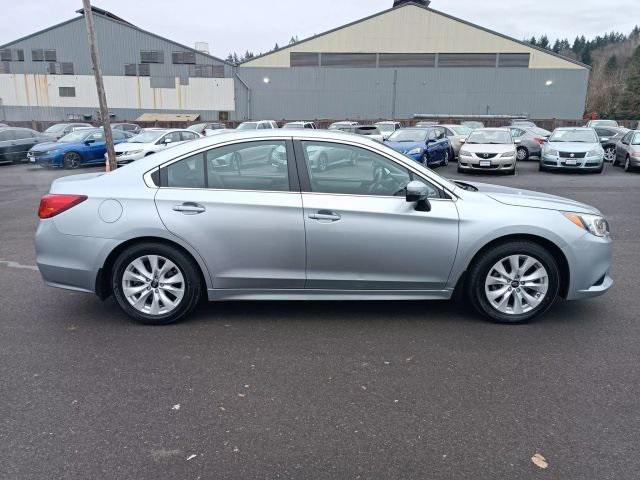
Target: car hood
column 127, row 147
column 528, row 198
column 404, row 146
column 489, row 148
column 576, row 147
column 46, row 146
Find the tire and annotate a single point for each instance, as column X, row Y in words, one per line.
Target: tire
column 601, row 169
column 71, row 160
column 522, row 154
column 610, row 154
column 186, row 291
column 460, row 170
column 482, row 275
column 323, row 163
column 627, row 164
column 445, row 161
column 512, row 171
column 541, row 167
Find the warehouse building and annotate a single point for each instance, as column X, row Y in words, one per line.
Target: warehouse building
column 412, row 59
column 47, row 75
column 399, row 63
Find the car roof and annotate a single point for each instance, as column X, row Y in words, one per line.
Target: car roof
column 493, row 129
column 574, row 128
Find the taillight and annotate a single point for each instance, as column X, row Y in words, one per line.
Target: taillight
column 540, row 140
column 53, row 204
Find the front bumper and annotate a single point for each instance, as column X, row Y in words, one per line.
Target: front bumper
column 71, row 262
column 587, row 163
column 481, row 164
column 44, row 160
column 123, row 159
column 589, row 266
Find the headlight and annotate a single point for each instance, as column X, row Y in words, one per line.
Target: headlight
column 594, row 224
column 52, row 152
column 132, row 152
column 595, row 152
column 464, row 153
column 415, row 151
column 552, row 152
column 508, row 154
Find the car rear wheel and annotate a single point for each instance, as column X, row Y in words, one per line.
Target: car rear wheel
column 627, row 164
column 72, row 160
column 513, row 282
column 445, row 160
column 155, row 284
column 522, row 154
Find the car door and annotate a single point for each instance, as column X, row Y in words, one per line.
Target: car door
column 7, row 146
column 96, row 147
column 246, row 224
column 361, row 232
column 622, row 148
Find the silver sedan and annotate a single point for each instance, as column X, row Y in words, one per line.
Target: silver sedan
column 166, row 230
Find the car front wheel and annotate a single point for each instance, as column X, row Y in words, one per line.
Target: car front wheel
column 155, row 284
column 513, row 282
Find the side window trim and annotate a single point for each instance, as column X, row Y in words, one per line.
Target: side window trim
column 305, row 179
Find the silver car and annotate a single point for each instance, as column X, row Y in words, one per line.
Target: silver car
column 573, row 149
column 166, row 230
column 489, row 150
column 456, row 134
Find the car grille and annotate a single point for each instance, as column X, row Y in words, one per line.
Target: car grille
column 572, row 154
column 37, row 154
column 486, row 155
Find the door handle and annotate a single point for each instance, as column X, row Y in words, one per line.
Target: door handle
column 189, row 208
column 325, row 215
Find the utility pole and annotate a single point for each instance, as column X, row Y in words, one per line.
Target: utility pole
column 102, row 97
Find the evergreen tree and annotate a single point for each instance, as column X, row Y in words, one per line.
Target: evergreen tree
column 586, row 56
column 533, row 41
column 543, row 42
column 632, row 97
column 556, row 46
column 612, row 64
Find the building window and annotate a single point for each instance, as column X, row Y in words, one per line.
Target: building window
column 52, row 68
column 183, row 57
column 67, row 91
column 5, row 67
column 392, row 60
column 130, row 69
column 50, row 56
column 348, row 60
column 467, row 60
column 304, row 59
column 37, row 55
column 144, row 70
column 66, row 68
column 5, row 55
column 507, row 60
column 151, row 56
column 207, row 71
column 20, row 54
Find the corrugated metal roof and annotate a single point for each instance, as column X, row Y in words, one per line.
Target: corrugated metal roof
column 168, row 117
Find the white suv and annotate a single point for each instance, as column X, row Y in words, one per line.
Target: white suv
column 258, row 125
column 151, row 140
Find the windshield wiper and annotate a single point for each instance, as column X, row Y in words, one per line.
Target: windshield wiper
column 466, row 186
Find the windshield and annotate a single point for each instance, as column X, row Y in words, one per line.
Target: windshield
column 147, row 136
column 498, row 137
column 198, row 127
column 473, row 125
column 294, row 125
column 603, row 123
column 75, row 137
column 248, row 126
column 339, row 125
column 540, row 131
column 408, row 135
column 56, row 128
column 461, row 129
column 578, row 136
column 636, row 139
column 386, row 127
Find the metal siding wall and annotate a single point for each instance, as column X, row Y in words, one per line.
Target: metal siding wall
column 313, row 93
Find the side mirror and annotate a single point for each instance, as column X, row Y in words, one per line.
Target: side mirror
column 168, row 140
column 418, row 192
column 604, row 140
column 517, row 141
column 463, row 140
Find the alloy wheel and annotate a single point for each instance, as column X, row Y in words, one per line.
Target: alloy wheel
column 610, row 154
column 521, row 154
column 72, row 160
column 627, row 165
column 153, row 284
column 445, row 162
column 516, row 284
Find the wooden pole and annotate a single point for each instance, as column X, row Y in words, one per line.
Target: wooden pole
column 102, row 97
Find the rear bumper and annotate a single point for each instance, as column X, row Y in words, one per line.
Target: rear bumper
column 70, row 261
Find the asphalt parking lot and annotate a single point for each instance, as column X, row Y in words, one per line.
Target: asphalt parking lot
column 319, row 390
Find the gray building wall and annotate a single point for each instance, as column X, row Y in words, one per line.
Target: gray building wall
column 367, row 93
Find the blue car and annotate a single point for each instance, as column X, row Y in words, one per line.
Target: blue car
column 428, row 146
column 80, row 147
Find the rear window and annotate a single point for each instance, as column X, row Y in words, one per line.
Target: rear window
column 367, row 131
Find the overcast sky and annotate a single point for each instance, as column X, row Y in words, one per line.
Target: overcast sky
column 256, row 25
